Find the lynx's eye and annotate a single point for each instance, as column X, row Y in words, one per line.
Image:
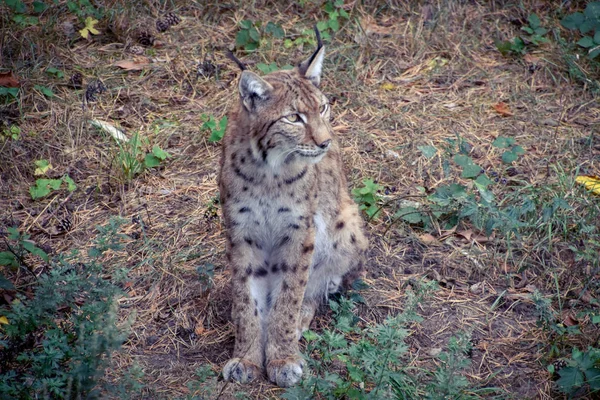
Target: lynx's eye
column 324, row 108
column 293, row 118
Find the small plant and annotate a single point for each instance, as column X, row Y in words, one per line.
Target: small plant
column 14, row 256
column 368, row 197
column 216, row 128
column 512, row 151
column 89, row 28
column 206, row 273
column 204, row 384
column 248, row 37
column 533, row 35
column 334, row 12
column 55, row 72
column 588, row 25
column 13, row 132
column 56, row 341
column 582, row 370
column 133, row 160
column 9, row 93
column 44, row 186
column 268, row 68
column 46, row 91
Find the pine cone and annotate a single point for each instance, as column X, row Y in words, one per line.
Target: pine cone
column 137, row 50
column 95, row 87
column 172, row 19
column 206, row 69
column 145, row 39
column 76, row 80
column 161, row 25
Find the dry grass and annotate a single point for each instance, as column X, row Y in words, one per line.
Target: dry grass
column 442, row 74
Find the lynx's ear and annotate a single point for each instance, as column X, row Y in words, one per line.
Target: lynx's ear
column 253, row 89
column 311, row 68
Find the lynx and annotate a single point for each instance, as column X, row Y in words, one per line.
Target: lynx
column 294, row 235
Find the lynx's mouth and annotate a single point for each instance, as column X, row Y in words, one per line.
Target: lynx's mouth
column 306, row 150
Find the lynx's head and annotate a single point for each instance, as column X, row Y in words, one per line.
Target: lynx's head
column 286, row 114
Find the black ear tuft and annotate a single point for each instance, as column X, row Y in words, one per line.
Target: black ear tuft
column 311, row 67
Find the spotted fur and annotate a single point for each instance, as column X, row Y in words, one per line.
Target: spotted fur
column 293, row 232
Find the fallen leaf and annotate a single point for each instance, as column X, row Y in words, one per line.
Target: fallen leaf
column 3, row 320
column 502, row 109
column 388, row 86
column 133, row 64
column 199, row 328
column 116, row 133
column 89, row 28
column 591, row 183
column 8, row 79
column 428, row 238
column 531, row 59
column 369, row 25
column 569, row 320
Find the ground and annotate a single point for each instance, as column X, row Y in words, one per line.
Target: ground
column 399, row 76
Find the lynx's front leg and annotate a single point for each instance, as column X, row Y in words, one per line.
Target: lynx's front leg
column 284, row 362
column 248, row 355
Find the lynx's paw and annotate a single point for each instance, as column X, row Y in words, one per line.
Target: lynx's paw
column 286, row 372
column 240, row 370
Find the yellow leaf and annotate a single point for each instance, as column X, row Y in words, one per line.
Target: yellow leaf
column 388, row 86
column 591, row 183
column 3, row 320
column 89, row 28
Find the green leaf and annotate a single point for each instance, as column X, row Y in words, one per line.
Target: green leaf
column 503, row 142
column 483, row 181
column 593, row 378
column 8, row 259
column 160, row 153
column 410, row 214
column 503, row 46
column 587, row 26
column 13, row 92
column 463, row 160
column 45, row 90
column 592, row 10
column 334, row 25
column 242, row 38
column 343, row 13
column 322, row 26
column 527, row 30
column 38, row 252
column 597, row 37
column 594, row 53
column 534, row 21
column 518, row 150
column 428, row 151
column 540, row 31
column 246, row 24
column 223, row 123
column 71, row 186
column 570, row 378
column 573, row 21
column 251, row 46
column 43, row 187
column 55, row 72
column 254, row 34
column 586, row 42
column 275, row 30
column 151, row 161
column 509, row 157
column 5, row 283
column 310, row 336
column 39, row 7
column 471, row 171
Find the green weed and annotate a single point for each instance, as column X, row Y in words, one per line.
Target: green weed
column 216, row 128
column 56, row 341
column 588, row 25
column 133, row 159
column 13, row 132
column 368, row 197
column 533, row 35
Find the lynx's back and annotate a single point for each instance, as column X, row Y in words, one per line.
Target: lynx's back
column 293, row 233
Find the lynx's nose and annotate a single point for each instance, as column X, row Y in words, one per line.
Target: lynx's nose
column 325, row 144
